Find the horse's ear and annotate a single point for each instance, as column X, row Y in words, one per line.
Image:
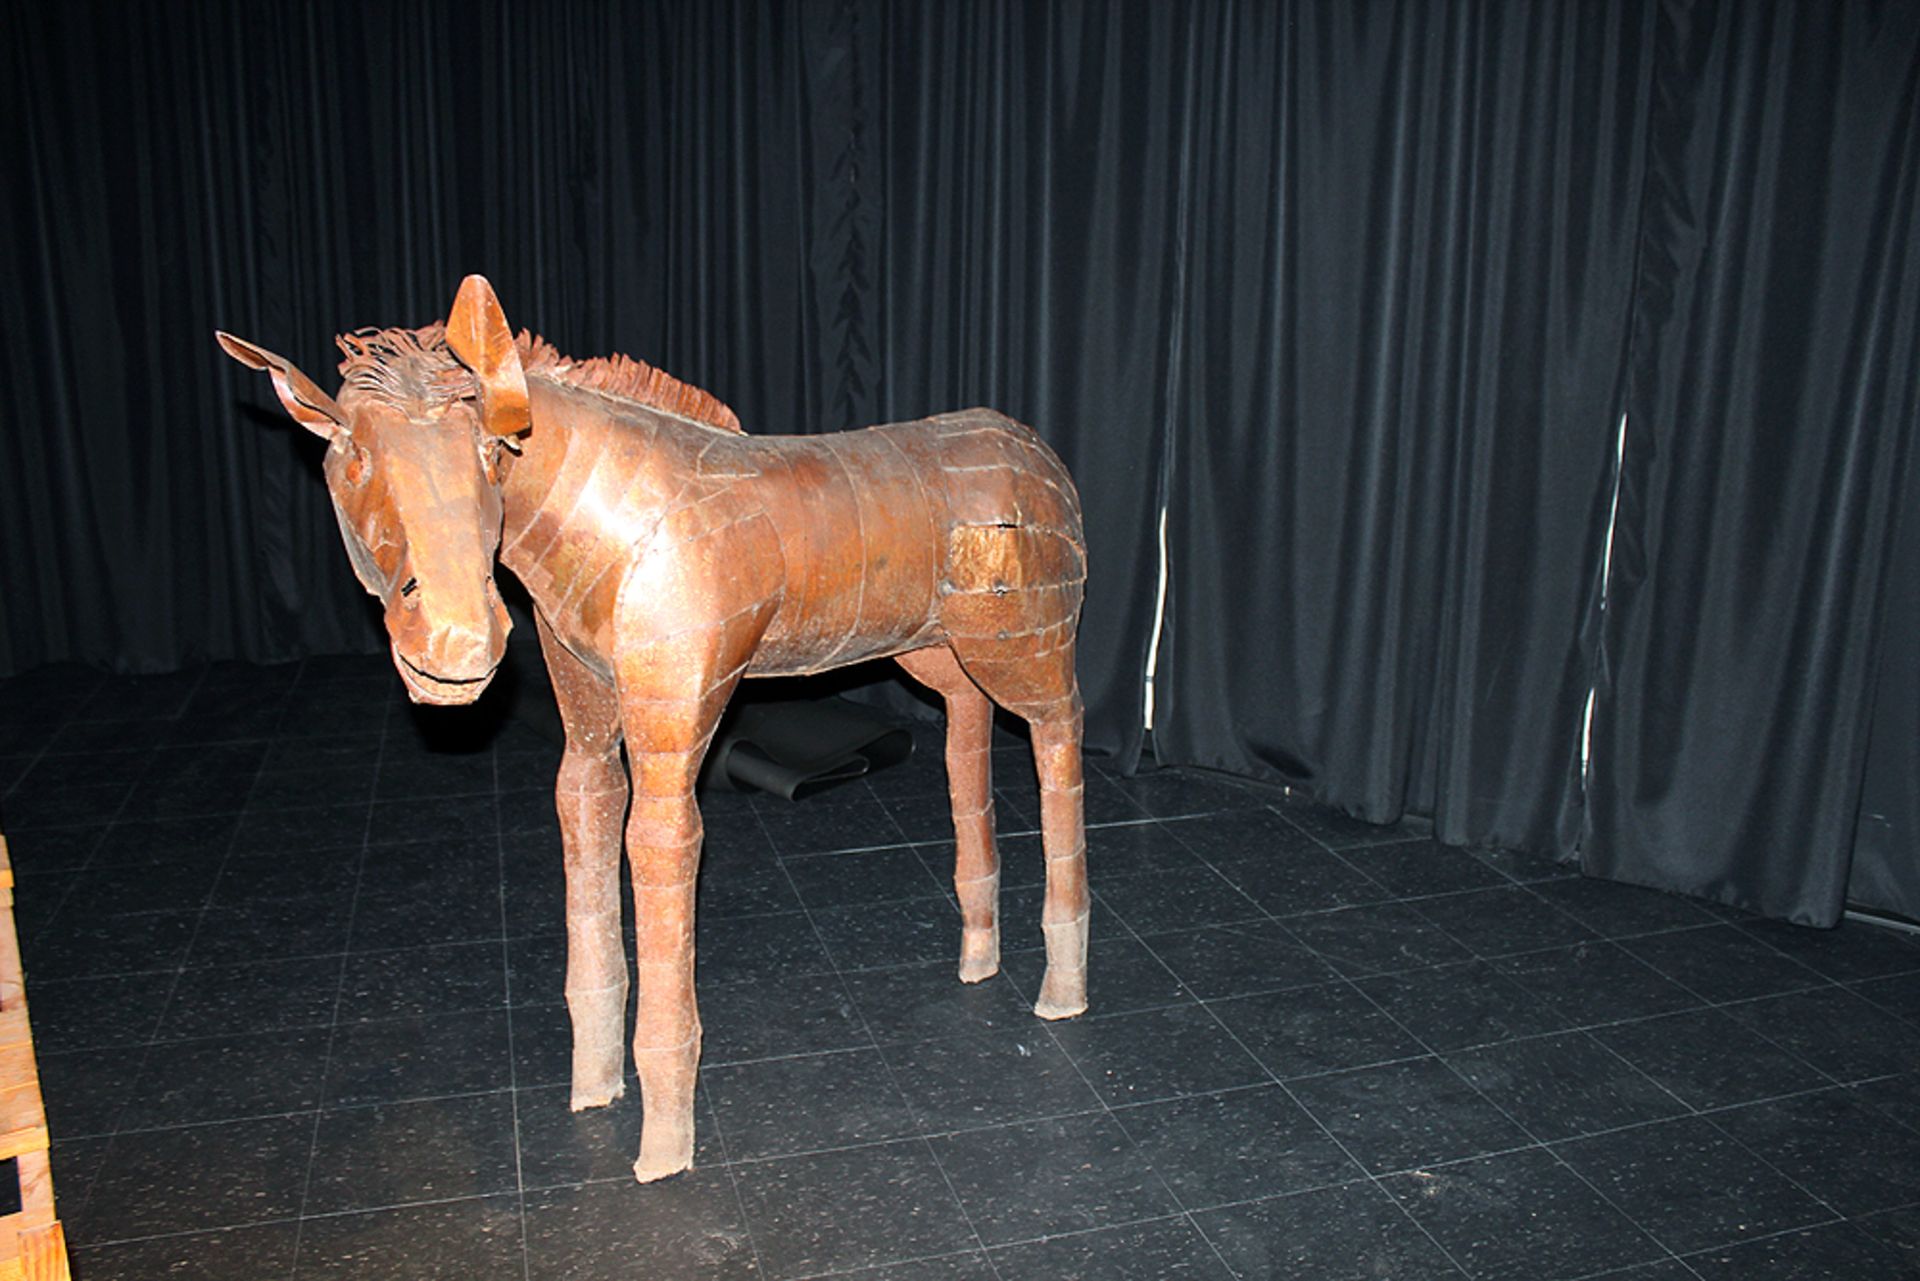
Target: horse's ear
column 312, row 408
column 478, row 334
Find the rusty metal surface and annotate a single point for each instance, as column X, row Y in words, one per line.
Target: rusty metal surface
column 669, row 555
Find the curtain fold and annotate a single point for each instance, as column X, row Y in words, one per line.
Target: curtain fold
column 1388, row 505
column 1771, row 408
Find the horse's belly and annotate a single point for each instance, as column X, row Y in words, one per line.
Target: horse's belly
column 863, row 550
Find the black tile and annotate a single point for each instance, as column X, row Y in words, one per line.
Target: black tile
column 1143, row 1251
column 1106, row 802
column 829, row 825
column 1722, row 963
column 1690, row 1185
column 272, row 929
column 1123, row 976
column 305, row 875
column 804, row 1104
column 1248, row 835
column 1341, row 831
column 311, row 788
column 737, row 948
column 427, row 893
column 537, row 969
column 1038, row 1179
column 84, row 1092
column 686, row 1226
column 971, row 1266
column 1836, row 1146
column 76, row 945
column 1353, row 1232
column 784, row 1014
column 1849, row 952
column 1560, row 1086
column 882, row 934
column 194, row 1178
column 1452, row 1007
column 227, row 1078
column 1836, row 1031
column 1422, row 868
column 873, row 876
column 1898, row 1229
column 260, row 1253
column 231, row 999
column 448, row 1241
column 1236, row 960
column 1708, row 1060
column 922, row 1002
column 1897, row 1096
column 1158, row 1054
column 1594, row 983
column 166, row 887
column 412, row 1058
column 1307, row 1031
column 1123, row 850
column 297, row 831
column 1021, row 908
column 27, row 808
column 834, row 1211
column 1400, row 1115
column 1523, row 1216
column 56, row 849
column 988, row 1079
column 80, row 1014
column 1839, row 1250
column 1293, row 882
column 438, row 774
column 323, row 753
column 444, row 979
column 429, row 1150
column 139, row 843
column 1523, row 867
column 436, row 818
column 1382, row 939
column 1177, row 792
column 1623, row 911
column 1242, row 1145
column 1183, row 899
column 746, row 888
column 542, row 1045
column 1502, row 921
column 560, row 1147
column 1899, row 994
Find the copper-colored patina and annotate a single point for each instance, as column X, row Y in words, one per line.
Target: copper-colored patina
column 669, row 555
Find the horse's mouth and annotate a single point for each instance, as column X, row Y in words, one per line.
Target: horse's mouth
column 422, row 687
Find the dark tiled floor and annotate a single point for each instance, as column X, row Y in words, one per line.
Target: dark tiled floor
column 295, row 964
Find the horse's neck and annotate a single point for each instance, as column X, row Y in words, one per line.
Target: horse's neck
column 585, row 484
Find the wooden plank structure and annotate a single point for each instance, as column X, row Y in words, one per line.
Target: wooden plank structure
column 32, row 1245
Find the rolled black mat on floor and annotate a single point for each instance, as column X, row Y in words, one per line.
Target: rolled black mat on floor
column 798, row 747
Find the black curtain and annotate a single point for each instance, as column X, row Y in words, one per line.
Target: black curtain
column 1415, row 229
column 1772, row 407
column 1358, row 294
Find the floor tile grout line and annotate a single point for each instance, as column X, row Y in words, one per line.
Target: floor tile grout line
column 506, row 986
column 873, row 1043
column 112, row 1141
column 339, row 995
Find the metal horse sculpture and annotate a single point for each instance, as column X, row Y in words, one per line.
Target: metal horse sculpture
column 669, row 555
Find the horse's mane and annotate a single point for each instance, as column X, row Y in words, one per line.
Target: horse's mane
column 625, row 378
column 408, row 367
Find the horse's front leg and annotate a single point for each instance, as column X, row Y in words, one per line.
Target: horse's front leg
column 591, row 796
column 672, row 695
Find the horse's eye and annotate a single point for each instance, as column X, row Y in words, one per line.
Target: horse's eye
column 409, row 587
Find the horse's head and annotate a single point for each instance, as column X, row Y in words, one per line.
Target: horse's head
column 414, row 449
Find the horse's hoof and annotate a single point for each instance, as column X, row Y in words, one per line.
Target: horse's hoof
column 582, row 1099
column 652, row 1167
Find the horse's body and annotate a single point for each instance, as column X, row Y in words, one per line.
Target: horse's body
column 668, row 556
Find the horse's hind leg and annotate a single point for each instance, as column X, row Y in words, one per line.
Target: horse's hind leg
column 976, row 864
column 1033, row 678
column 591, row 796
